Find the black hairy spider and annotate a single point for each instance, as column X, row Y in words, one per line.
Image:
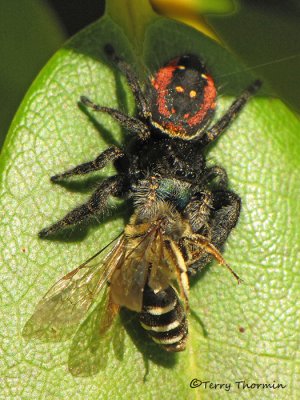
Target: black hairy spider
column 169, row 135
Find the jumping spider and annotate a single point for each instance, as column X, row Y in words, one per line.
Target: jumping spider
column 169, row 135
column 183, row 210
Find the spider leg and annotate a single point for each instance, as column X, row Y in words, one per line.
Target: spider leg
column 96, row 203
column 132, row 124
column 110, row 154
column 125, row 68
column 227, row 207
column 216, row 172
column 225, row 214
column 231, row 114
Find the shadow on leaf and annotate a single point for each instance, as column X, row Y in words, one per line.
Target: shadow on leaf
column 144, row 344
column 106, row 134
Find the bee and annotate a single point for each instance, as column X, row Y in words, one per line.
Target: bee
column 146, row 270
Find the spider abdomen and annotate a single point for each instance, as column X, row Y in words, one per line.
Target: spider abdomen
column 164, row 319
column 183, row 97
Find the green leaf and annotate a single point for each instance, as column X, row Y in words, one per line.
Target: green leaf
column 248, row 332
column 23, row 50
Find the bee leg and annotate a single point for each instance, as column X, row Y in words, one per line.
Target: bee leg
column 199, row 210
column 211, row 249
column 184, row 287
column 180, row 270
column 97, row 202
column 145, row 196
column 204, row 245
column 108, row 155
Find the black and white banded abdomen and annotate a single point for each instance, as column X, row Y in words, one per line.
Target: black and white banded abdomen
column 164, row 318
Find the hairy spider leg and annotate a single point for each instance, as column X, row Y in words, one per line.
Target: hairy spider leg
column 96, row 203
column 216, row 172
column 110, row 154
column 133, row 125
column 231, row 114
column 228, row 207
column 125, row 68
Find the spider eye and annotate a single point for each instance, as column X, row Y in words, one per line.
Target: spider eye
column 191, row 175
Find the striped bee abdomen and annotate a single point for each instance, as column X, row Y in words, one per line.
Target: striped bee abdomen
column 164, row 318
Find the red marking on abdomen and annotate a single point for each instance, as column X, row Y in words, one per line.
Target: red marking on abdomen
column 160, row 83
column 209, row 97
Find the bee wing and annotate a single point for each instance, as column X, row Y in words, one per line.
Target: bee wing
column 143, row 256
column 89, row 351
column 128, row 282
column 62, row 308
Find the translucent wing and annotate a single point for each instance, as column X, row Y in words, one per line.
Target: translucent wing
column 144, row 261
column 94, row 340
column 62, row 308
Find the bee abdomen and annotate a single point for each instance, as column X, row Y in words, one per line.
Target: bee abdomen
column 164, row 318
